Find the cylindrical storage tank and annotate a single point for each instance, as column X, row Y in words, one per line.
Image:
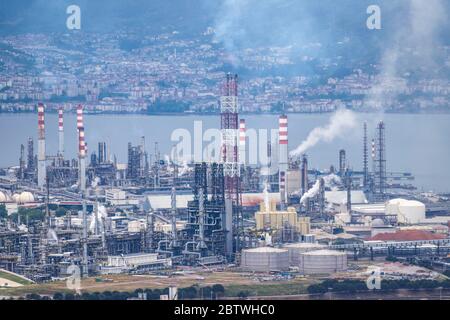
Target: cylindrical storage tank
column 322, row 262
column 265, row 259
column 309, row 238
column 407, row 211
column 295, row 249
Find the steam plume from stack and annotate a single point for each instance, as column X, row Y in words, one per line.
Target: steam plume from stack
column 341, row 122
column 328, row 180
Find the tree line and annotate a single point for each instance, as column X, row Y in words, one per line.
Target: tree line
column 193, row 292
column 353, row 286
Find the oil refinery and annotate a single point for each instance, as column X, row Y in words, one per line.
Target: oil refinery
column 156, row 214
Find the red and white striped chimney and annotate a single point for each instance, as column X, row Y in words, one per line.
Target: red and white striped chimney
column 283, row 130
column 41, row 121
column 41, row 146
column 81, row 143
column 283, row 157
column 80, row 123
column 242, row 143
column 80, row 127
column 61, row 132
column 81, row 149
column 60, row 119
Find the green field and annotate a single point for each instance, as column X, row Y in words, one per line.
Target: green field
column 11, row 277
column 234, row 283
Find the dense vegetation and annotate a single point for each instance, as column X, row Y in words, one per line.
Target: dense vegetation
column 3, row 212
column 352, row 286
column 33, row 214
column 192, row 292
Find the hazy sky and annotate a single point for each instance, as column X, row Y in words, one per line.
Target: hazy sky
column 236, row 20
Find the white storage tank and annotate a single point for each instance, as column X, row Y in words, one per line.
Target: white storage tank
column 25, row 197
column 407, row 211
column 295, row 249
column 265, row 259
column 322, row 262
column 4, row 197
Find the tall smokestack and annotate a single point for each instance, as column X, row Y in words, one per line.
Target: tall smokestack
column 41, row 147
column 229, row 126
column 60, row 133
column 22, row 162
column 304, row 175
column 269, row 153
column 342, row 162
column 81, row 149
column 348, row 182
column 82, row 183
column 82, row 157
column 242, row 144
column 80, row 117
column 31, row 166
column 380, row 162
column 173, row 213
column 283, row 157
column 365, row 159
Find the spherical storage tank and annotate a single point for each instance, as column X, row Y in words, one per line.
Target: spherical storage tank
column 265, row 259
column 4, row 197
column 295, row 249
column 16, row 197
column 407, row 211
column 25, row 197
column 322, row 261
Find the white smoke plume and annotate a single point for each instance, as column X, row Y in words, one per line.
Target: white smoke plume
column 411, row 50
column 311, row 192
column 266, row 197
column 181, row 171
column 184, row 169
column 231, row 15
column 101, row 214
column 331, row 179
column 167, row 159
column 340, row 123
column 95, row 182
column 328, row 180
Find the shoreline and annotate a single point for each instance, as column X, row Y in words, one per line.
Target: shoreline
column 188, row 114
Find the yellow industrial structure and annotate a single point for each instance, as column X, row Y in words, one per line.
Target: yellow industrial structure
column 273, row 219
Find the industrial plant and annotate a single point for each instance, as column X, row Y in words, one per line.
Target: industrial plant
column 154, row 214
